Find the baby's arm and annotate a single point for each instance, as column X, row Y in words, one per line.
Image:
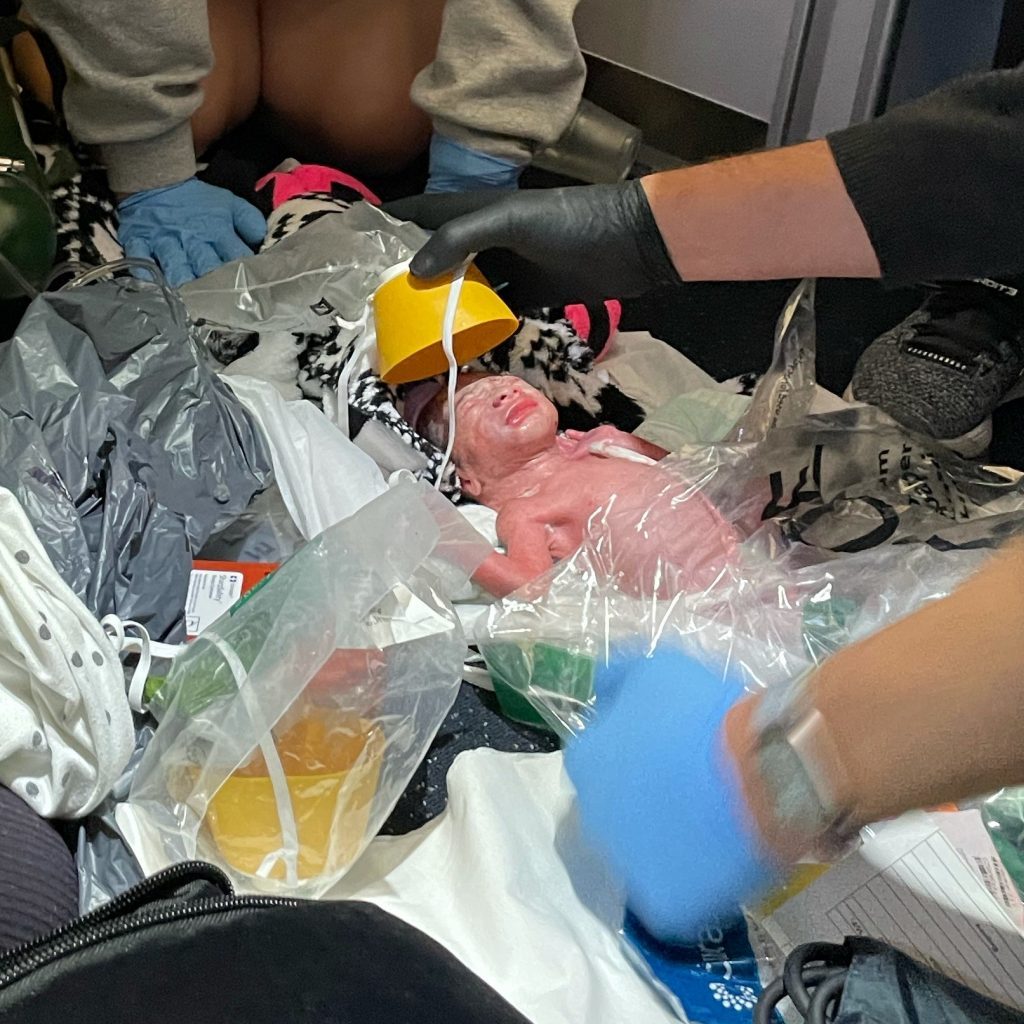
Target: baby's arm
column 590, row 442
column 526, row 541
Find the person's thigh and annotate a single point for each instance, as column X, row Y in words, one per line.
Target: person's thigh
column 38, row 878
column 232, row 90
column 337, row 75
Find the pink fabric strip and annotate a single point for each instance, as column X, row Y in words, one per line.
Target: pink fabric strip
column 311, row 178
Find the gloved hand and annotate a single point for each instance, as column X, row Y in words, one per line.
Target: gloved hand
column 659, row 795
column 457, row 168
column 189, row 229
column 601, row 237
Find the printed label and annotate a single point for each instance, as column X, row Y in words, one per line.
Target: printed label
column 714, row 980
column 211, row 593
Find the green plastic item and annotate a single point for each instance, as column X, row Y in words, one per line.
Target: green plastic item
column 515, row 669
column 1003, row 815
column 211, row 677
column 826, row 625
column 28, row 229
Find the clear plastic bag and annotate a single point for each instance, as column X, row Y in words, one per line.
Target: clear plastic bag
column 809, row 532
column 289, row 729
column 310, row 281
column 805, row 532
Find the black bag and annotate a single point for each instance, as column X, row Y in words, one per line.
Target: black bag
column 865, row 981
column 181, row 948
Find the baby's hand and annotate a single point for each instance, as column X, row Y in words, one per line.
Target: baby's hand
column 589, row 442
column 568, row 442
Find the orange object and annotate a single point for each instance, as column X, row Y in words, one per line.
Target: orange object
column 409, row 317
column 358, row 673
column 332, row 765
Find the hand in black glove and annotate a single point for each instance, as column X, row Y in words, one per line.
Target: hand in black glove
column 589, row 243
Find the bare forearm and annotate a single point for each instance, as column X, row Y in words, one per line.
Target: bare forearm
column 777, row 214
column 926, row 712
column 501, row 574
column 931, row 709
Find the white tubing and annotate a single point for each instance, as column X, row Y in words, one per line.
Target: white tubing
column 448, row 344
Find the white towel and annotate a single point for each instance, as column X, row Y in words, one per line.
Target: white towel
column 65, row 726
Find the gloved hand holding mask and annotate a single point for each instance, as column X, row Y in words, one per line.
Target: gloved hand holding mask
column 596, row 241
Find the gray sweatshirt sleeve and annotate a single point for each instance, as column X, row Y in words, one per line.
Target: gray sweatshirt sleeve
column 134, row 73
column 508, row 76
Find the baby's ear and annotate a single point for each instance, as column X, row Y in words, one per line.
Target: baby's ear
column 469, row 482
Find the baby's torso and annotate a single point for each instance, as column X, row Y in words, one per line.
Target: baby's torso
column 657, row 531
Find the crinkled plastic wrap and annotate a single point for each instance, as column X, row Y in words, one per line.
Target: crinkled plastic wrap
column 761, row 554
column 795, row 536
column 123, row 448
column 289, row 729
column 310, row 281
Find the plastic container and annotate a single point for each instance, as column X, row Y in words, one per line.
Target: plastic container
column 332, row 764
column 409, row 314
column 514, row 669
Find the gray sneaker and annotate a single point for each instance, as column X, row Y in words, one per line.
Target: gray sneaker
column 949, row 364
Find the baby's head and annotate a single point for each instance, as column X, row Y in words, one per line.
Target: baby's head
column 501, row 422
column 430, row 417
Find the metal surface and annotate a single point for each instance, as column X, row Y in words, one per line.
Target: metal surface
column 792, row 69
column 598, row 147
column 728, row 51
column 872, row 87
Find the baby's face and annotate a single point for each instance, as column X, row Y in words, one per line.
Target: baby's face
column 502, row 418
column 433, row 421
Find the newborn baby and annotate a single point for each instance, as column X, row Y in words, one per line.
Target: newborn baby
column 661, row 536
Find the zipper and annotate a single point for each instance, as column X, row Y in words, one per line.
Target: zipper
column 162, row 883
column 116, row 918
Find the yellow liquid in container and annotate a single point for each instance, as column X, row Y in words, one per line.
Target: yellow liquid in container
column 332, row 765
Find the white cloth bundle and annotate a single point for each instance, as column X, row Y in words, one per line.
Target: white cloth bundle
column 65, row 726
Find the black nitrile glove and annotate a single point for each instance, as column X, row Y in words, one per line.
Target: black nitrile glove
column 581, row 244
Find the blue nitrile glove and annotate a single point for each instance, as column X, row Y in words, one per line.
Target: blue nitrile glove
column 659, row 797
column 457, row 168
column 189, row 229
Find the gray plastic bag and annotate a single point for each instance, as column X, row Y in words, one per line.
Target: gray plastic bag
column 124, row 449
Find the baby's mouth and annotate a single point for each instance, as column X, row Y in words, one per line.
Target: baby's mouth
column 519, row 411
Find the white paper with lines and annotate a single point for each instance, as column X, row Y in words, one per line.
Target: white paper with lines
column 909, row 887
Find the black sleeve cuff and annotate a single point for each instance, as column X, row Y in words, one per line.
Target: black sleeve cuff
column 939, row 183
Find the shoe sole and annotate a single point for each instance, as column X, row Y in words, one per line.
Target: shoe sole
column 968, row 446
